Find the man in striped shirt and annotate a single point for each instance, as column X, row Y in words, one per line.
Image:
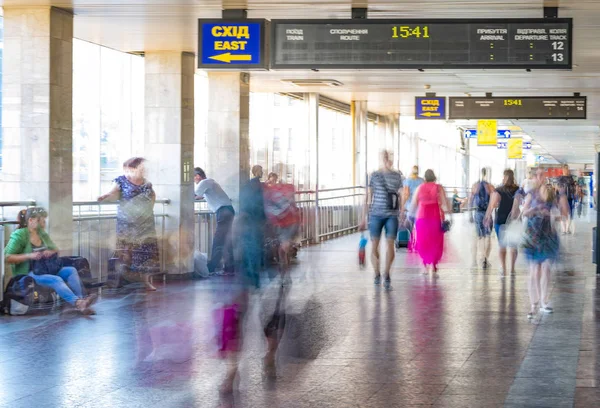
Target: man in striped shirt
column 383, row 204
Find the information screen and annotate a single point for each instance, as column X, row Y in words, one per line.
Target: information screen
column 380, row 44
column 517, row 107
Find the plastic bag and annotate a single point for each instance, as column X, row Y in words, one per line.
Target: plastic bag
column 172, row 341
column 200, row 265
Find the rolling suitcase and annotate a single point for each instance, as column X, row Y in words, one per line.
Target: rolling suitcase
column 403, row 237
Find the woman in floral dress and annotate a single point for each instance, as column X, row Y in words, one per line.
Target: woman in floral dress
column 137, row 245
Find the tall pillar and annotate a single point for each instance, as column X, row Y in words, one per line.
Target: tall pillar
column 393, row 122
column 312, row 107
column 169, row 149
column 37, row 112
column 227, row 142
column 359, row 138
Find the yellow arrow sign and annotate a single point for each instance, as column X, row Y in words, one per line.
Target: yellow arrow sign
column 430, row 114
column 228, row 58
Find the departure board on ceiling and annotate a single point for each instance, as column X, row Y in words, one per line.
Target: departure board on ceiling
column 381, row 44
column 517, row 107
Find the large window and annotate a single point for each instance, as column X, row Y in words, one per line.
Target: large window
column 1, row 55
column 108, row 115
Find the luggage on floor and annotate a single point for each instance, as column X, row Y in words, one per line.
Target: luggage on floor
column 18, row 296
column 403, row 238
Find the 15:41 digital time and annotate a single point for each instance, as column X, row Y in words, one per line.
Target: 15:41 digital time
column 410, row 31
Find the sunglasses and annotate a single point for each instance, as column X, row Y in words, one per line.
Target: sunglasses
column 36, row 212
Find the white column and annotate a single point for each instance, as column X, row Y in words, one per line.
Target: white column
column 169, row 149
column 37, row 112
column 312, row 108
column 227, row 142
column 359, row 132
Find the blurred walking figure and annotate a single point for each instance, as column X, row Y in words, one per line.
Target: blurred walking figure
column 137, row 245
column 504, row 200
column 251, row 222
column 284, row 216
column 579, row 196
column 480, row 200
column 566, row 189
column 219, row 203
column 410, row 186
column 541, row 244
column 384, row 199
column 429, row 204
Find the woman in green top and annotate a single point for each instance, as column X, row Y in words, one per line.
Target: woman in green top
column 30, row 243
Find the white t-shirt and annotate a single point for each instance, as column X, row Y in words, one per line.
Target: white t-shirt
column 213, row 194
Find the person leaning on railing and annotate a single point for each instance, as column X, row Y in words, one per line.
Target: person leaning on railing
column 31, row 242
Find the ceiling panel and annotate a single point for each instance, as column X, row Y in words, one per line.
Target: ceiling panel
column 138, row 25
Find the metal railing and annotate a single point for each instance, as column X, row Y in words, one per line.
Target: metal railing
column 95, row 231
column 330, row 212
column 204, row 226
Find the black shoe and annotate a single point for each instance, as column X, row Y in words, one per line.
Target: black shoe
column 486, row 264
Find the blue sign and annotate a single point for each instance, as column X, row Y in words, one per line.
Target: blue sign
column 527, row 146
column 430, row 108
column 502, row 145
column 502, row 134
column 226, row 44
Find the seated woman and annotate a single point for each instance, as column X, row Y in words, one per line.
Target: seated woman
column 30, row 243
column 457, row 202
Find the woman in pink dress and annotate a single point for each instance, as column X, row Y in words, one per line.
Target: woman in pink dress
column 430, row 202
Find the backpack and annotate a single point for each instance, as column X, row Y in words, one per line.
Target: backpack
column 18, row 296
column 482, row 198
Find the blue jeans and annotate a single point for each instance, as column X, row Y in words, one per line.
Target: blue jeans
column 66, row 284
column 377, row 224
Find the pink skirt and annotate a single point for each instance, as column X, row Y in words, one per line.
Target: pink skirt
column 429, row 240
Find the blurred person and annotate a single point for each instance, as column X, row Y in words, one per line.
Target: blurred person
column 284, row 217
column 566, row 188
column 383, row 201
column 429, row 204
column 505, row 201
column 219, row 203
column 272, row 179
column 579, row 197
column 480, row 200
column 457, row 201
column 32, row 243
column 410, row 186
column 252, row 221
column 137, row 244
column 541, row 245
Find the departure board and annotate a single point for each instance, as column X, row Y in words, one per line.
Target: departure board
column 519, row 107
column 381, row 44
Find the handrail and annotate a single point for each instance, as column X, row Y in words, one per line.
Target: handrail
column 9, row 223
column 108, row 217
column 28, row 203
column 83, row 203
column 329, row 190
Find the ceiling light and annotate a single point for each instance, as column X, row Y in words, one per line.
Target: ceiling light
column 313, row 82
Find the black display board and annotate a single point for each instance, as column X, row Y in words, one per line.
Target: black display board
column 381, row 44
column 519, row 107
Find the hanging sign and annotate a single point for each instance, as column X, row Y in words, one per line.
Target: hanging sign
column 487, row 132
column 502, row 134
column 430, row 108
column 515, row 149
column 231, row 44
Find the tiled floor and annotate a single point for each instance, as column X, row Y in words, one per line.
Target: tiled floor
column 461, row 340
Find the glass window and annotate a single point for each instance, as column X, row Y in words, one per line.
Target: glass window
column 108, row 115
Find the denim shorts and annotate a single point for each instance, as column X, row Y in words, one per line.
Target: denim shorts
column 377, row 223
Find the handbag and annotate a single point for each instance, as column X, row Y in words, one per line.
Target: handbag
column 446, row 225
column 512, row 233
column 47, row 266
column 393, row 202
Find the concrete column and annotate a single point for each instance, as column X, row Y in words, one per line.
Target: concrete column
column 169, row 148
column 312, row 108
column 228, row 145
column 37, row 112
column 359, row 135
column 393, row 128
column 520, row 171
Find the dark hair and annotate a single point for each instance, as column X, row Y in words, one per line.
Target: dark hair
column 510, row 175
column 200, row 172
column 430, row 176
column 22, row 219
column 134, row 162
column 483, row 172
